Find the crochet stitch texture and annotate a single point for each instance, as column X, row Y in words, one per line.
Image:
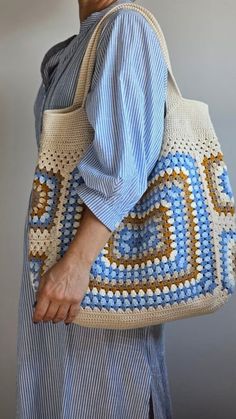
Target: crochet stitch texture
column 173, row 255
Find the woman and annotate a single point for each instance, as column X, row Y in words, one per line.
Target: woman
column 72, row 371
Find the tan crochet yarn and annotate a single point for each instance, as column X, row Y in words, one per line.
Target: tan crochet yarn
column 183, row 228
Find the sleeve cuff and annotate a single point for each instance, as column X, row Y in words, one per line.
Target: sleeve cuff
column 104, row 209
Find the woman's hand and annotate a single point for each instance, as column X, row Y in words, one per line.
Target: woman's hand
column 63, row 286
column 61, row 290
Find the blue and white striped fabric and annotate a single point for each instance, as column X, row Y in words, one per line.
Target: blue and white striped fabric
column 125, row 106
column 126, row 109
column 74, row 372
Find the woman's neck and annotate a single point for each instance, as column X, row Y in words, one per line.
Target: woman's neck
column 86, row 7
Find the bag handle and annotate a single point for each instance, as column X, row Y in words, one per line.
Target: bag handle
column 87, row 66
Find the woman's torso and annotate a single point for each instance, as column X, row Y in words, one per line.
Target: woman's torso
column 59, row 70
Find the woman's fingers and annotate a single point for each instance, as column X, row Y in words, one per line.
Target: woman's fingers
column 61, row 313
column 41, row 307
column 51, row 311
column 72, row 313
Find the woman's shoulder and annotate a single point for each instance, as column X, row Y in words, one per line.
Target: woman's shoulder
column 125, row 16
column 128, row 30
column 130, row 25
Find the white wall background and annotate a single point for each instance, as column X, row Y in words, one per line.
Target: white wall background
column 201, row 38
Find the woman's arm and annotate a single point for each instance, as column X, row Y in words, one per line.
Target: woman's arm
column 90, row 238
column 125, row 106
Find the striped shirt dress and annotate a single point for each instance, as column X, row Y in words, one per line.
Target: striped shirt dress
column 75, row 372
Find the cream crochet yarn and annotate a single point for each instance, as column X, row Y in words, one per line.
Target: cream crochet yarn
column 173, row 255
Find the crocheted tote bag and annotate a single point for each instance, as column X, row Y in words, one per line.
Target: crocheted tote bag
column 173, row 254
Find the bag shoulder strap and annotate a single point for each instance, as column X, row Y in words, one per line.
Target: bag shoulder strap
column 87, row 66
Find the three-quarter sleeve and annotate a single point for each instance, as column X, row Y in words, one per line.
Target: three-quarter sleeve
column 125, row 107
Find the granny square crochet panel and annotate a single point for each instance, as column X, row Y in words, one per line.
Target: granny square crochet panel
column 174, row 253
